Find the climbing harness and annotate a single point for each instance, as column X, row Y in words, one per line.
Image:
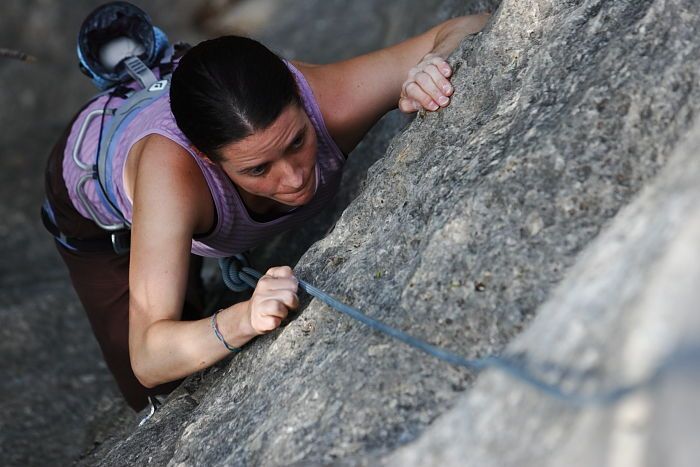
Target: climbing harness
column 237, row 273
column 117, row 45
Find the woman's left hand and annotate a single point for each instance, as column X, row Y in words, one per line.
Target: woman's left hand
column 428, row 86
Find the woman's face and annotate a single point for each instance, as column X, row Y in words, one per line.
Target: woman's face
column 277, row 163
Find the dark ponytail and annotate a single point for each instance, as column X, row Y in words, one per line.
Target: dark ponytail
column 226, row 89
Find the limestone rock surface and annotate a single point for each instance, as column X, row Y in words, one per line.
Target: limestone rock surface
column 57, row 394
column 459, row 234
column 565, row 109
column 632, row 321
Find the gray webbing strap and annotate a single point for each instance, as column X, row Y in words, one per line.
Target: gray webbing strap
column 139, row 72
column 133, row 103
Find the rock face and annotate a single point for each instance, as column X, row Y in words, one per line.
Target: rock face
column 564, row 110
column 616, row 321
column 56, row 392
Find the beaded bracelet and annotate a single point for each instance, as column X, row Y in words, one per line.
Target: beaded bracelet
column 220, row 336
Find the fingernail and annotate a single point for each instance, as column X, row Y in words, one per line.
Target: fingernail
column 433, row 106
column 447, row 88
column 443, row 100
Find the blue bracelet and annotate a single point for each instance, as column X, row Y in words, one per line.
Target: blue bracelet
column 218, row 334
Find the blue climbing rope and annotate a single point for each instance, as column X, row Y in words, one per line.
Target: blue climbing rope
column 236, row 273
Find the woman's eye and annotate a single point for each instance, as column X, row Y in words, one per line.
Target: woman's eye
column 257, row 171
column 298, row 142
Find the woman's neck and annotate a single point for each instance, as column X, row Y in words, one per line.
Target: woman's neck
column 262, row 209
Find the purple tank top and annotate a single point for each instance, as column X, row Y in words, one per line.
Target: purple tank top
column 235, row 230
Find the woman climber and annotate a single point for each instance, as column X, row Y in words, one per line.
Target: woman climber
column 246, row 146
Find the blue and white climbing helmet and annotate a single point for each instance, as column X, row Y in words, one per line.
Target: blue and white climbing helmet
column 113, row 32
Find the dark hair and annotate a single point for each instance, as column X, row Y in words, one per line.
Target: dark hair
column 225, row 89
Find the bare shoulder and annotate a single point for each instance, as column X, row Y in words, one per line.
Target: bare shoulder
column 320, row 79
column 353, row 94
column 159, row 158
column 335, row 89
column 167, row 180
column 155, row 147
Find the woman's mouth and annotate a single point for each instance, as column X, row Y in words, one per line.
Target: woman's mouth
column 303, row 194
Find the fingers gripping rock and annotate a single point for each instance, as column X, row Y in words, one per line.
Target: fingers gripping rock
column 274, row 296
column 427, row 86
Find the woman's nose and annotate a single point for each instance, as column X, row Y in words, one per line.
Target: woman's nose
column 293, row 177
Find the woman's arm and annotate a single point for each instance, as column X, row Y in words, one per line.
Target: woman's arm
column 171, row 203
column 354, row 94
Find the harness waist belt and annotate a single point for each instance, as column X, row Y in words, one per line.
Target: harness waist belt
column 118, row 242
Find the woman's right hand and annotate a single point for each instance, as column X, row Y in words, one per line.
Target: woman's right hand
column 427, row 86
column 274, row 296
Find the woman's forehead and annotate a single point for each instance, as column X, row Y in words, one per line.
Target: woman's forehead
column 273, row 139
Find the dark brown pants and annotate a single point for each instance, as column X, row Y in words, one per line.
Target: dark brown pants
column 102, row 283
column 101, row 280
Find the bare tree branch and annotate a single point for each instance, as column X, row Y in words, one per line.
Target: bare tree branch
column 9, row 53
